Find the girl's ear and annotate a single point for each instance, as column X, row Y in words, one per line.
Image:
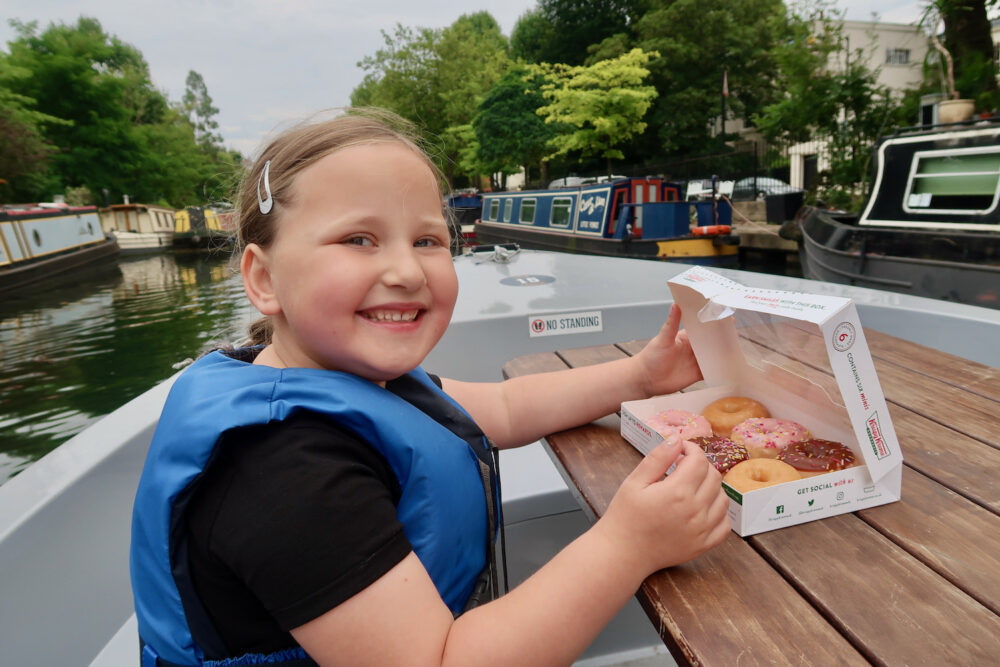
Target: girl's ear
column 256, row 270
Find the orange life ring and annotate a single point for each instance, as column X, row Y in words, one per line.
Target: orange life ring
column 711, row 230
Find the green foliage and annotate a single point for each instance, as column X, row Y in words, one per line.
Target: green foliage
column 604, row 103
column 969, row 42
column 697, row 41
column 508, row 130
column 560, row 31
column 436, row 78
column 531, row 36
column 24, row 152
column 88, row 112
column 200, row 111
column 79, row 196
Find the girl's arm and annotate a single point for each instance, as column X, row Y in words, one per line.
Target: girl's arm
column 652, row 522
column 523, row 409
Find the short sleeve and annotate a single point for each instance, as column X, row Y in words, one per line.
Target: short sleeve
column 302, row 513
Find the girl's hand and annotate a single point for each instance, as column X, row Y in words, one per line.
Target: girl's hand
column 667, row 363
column 656, row 522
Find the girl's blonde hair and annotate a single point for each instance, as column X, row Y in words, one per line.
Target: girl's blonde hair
column 297, row 149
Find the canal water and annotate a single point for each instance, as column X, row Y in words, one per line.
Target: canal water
column 73, row 351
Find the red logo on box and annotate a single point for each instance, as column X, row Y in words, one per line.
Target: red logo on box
column 876, row 439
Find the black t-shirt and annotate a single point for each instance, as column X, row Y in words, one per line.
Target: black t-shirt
column 289, row 520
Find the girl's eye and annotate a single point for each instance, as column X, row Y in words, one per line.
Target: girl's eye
column 359, row 240
column 427, row 242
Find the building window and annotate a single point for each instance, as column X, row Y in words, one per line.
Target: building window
column 897, row 56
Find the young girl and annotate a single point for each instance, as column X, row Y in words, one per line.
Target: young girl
column 319, row 497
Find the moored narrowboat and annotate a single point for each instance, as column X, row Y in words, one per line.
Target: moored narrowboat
column 203, row 227
column 38, row 241
column 931, row 225
column 641, row 218
column 139, row 228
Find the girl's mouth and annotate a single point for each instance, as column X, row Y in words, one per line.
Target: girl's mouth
column 391, row 315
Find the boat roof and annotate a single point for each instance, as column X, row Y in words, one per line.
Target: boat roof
column 633, row 297
column 941, row 177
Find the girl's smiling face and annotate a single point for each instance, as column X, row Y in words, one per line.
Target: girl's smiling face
column 359, row 277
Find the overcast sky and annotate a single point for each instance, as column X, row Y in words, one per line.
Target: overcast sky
column 268, row 63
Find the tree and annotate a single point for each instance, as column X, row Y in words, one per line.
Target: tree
column 967, row 38
column 604, row 102
column 436, row 79
column 697, row 41
column 200, row 111
column 75, row 75
column 508, row 130
column 108, row 126
column 24, row 152
column 560, row 31
column 832, row 95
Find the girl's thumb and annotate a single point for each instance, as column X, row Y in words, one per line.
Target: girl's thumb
column 655, row 465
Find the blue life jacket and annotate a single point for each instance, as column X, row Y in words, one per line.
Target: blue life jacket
column 438, row 454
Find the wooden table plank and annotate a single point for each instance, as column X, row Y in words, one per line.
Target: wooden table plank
column 966, row 412
column 588, row 356
column 894, row 609
column 962, row 463
column 730, row 581
column 933, row 524
column 906, row 570
column 969, row 375
column 730, row 607
column 542, row 362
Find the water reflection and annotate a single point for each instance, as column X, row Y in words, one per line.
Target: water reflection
column 72, row 352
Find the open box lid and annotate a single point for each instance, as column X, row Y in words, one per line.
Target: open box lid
column 739, row 332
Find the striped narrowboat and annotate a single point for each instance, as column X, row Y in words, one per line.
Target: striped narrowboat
column 38, row 241
column 641, row 218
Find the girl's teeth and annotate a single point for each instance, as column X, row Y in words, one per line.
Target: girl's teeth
column 394, row 316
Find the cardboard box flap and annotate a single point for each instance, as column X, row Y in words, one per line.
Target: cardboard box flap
column 733, row 328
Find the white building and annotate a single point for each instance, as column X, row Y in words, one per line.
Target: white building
column 897, row 51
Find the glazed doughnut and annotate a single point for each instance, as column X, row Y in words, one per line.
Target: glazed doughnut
column 685, row 424
column 758, row 473
column 764, row 438
column 722, row 452
column 727, row 412
column 815, row 457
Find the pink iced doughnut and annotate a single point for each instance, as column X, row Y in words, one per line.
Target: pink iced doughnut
column 685, row 424
column 764, row 438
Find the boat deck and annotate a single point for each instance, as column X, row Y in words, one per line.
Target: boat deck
column 915, row 581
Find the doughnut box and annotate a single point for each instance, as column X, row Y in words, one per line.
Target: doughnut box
column 803, row 356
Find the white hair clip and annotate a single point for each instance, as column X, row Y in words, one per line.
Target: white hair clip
column 267, row 203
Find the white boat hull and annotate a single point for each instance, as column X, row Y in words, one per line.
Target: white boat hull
column 64, row 522
column 133, row 243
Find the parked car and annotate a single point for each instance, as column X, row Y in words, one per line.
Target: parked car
column 760, row 187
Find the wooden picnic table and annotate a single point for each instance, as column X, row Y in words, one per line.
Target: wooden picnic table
column 912, row 582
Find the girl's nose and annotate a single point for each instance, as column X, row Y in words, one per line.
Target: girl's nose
column 403, row 269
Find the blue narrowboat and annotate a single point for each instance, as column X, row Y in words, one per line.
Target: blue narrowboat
column 642, row 218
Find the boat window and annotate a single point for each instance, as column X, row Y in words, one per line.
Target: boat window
column 560, row 214
column 527, row 214
column 954, row 181
column 494, row 209
column 508, row 206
